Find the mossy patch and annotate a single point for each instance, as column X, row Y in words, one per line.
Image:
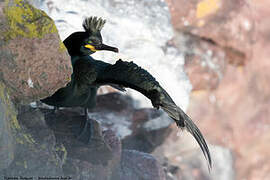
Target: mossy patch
column 62, row 47
column 11, row 114
column 26, row 21
column 29, row 138
column 62, row 152
column 11, row 117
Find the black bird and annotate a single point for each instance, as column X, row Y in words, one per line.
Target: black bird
column 89, row 74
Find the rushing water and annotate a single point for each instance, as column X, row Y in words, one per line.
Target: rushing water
column 139, row 28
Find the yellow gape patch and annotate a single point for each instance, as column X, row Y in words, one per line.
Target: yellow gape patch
column 92, row 48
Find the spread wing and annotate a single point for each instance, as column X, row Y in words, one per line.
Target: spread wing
column 130, row 75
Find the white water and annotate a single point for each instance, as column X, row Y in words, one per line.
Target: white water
column 139, row 28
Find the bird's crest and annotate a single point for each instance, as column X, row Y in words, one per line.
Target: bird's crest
column 93, row 24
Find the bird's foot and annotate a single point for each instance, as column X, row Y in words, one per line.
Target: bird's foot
column 91, row 134
column 85, row 132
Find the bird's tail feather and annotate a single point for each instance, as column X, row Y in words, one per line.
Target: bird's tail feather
column 184, row 121
column 196, row 133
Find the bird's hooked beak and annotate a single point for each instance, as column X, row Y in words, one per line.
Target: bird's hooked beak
column 101, row 47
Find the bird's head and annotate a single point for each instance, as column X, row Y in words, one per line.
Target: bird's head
column 89, row 41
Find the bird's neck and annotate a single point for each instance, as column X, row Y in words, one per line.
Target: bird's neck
column 75, row 58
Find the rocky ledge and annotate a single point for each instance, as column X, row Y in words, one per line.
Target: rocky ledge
column 51, row 147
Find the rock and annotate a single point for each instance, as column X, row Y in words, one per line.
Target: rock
column 52, row 141
column 150, row 128
column 140, row 166
column 141, row 129
column 201, row 77
column 94, row 162
column 78, row 169
column 105, row 147
column 230, row 24
column 185, row 161
column 34, row 62
column 193, row 167
column 235, row 112
column 29, row 43
column 205, row 62
column 8, row 124
column 100, row 159
column 239, row 103
column 34, row 147
column 58, row 148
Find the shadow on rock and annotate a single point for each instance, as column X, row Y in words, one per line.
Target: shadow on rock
column 53, row 142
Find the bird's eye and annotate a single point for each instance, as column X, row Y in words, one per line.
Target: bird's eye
column 96, row 42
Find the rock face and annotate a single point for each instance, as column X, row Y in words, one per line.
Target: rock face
column 8, row 124
column 33, row 60
column 141, row 129
column 137, row 166
column 29, row 46
column 234, row 112
column 48, row 138
column 229, row 24
column 24, row 149
column 35, row 146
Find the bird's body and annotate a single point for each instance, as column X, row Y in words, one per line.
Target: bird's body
column 89, row 74
column 74, row 94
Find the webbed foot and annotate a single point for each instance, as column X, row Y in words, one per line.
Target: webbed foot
column 90, row 133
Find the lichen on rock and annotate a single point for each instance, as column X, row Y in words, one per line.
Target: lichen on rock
column 24, row 20
column 34, row 62
column 7, row 122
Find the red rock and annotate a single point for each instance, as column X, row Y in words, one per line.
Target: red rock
column 229, row 23
column 235, row 113
column 205, row 61
column 34, row 62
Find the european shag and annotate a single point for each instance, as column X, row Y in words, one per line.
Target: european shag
column 89, row 74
